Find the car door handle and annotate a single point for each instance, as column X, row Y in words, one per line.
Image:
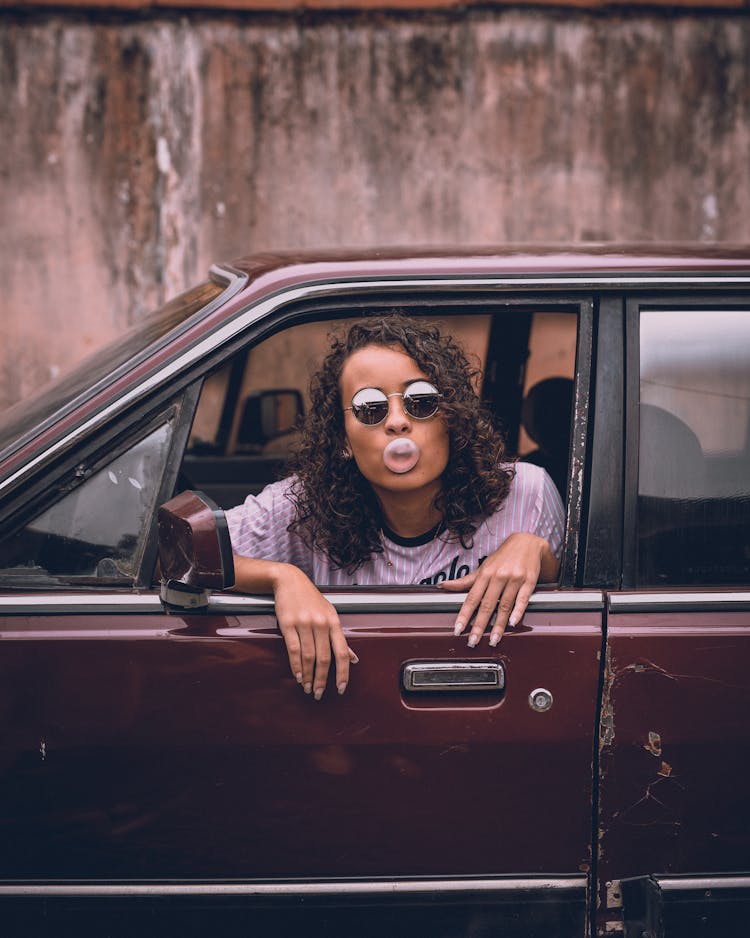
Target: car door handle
column 456, row 676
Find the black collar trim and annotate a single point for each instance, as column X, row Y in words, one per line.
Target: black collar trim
column 417, row 541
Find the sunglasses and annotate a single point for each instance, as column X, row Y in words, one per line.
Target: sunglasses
column 370, row 405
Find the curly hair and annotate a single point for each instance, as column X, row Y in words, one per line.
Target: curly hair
column 337, row 511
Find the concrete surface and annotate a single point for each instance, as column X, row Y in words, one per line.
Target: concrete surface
column 137, row 149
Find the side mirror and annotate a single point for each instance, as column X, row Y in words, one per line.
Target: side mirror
column 195, row 551
column 267, row 415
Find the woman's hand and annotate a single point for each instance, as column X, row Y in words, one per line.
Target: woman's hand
column 311, row 629
column 502, row 586
column 309, row 623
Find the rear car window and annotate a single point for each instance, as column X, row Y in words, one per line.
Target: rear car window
column 694, row 447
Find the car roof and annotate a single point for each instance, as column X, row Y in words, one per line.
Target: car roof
column 511, row 259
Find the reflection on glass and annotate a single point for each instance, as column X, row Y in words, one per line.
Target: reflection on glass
column 98, row 530
column 694, row 447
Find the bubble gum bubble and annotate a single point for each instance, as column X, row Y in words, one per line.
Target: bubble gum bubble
column 401, row 455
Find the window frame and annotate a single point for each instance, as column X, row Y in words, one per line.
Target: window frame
column 343, row 303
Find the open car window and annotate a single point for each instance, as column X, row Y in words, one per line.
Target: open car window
column 247, row 417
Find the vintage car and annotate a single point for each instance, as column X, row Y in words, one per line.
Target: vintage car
column 161, row 769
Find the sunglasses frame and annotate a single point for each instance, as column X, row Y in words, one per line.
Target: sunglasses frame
column 404, row 395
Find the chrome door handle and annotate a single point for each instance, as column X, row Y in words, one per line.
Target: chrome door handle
column 461, row 676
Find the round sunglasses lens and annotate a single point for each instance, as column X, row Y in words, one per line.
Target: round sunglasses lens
column 370, row 406
column 421, row 399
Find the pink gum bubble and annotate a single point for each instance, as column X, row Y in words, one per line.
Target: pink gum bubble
column 401, row 455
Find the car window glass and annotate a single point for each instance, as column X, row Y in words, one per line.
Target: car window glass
column 694, row 447
column 97, row 531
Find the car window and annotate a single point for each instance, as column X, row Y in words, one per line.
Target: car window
column 230, row 455
column 694, row 447
column 98, row 530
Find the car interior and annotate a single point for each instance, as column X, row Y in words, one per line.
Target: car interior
column 248, row 413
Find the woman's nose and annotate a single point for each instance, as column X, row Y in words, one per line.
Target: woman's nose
column 397, row 420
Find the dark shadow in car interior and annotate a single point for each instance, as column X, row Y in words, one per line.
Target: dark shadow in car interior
column 693, row 526
column 545, row 416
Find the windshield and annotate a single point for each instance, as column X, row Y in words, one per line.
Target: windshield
column 25, row 419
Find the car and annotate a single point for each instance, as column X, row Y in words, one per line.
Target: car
column 162, row 770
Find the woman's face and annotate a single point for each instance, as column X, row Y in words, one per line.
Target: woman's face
column 391, row 370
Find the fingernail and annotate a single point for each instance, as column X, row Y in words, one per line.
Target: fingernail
column 458, row 628
column 354, row 660
column 298, row 675
column 318, row 694
column 494, row 639
column 341, row 688
column 513, row 620
column 472, row 641
column 308, row 688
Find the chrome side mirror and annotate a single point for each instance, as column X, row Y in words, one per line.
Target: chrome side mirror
column 195, row 551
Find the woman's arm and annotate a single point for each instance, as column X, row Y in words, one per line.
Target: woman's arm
column 309, row 623
column 503, row 584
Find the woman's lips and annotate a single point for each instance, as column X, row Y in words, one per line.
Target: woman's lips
column 401, row 455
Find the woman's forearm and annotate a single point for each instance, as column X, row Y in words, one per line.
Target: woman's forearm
column 258, row 576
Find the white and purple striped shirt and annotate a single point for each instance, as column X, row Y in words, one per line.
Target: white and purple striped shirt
column 258, row 529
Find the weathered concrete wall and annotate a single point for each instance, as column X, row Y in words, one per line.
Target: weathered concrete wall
column 136, row 151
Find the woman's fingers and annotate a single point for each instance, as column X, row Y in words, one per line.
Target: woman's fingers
column 522, row 600
column 308, row 654
column 312, row 633
column 492, row 605
column 322, row 637
column 469, row 604
column 327, row 640
column 310, row 649
column 294, row 651
column 343, row 656
column 499, row 591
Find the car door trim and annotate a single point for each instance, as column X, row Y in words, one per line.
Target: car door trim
column 365, row 601
column 391, row 887
column 701, row 883
column 683, row 601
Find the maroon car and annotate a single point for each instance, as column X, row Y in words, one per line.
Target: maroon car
column 160, row 768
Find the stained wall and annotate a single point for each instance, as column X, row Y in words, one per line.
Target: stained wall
column 138, row 148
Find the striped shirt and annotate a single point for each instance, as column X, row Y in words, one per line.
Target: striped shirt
column 258, row 529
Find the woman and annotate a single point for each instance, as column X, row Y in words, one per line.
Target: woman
column 400, row 478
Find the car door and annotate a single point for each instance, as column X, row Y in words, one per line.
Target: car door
column 167, row 759
column 674, row 816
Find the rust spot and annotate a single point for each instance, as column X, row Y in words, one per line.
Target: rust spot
column 665, row 770
column 654, row 743
column 607, row 722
